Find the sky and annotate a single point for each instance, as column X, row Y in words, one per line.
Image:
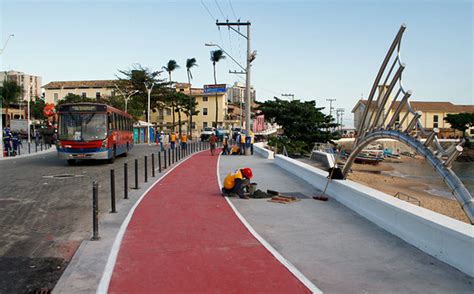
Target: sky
column 313, row 49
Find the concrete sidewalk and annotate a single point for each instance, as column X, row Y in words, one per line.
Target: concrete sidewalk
column 338, row 250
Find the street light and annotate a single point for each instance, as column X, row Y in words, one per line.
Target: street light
column 126, row 96
column 1, row 103
column 149, row 89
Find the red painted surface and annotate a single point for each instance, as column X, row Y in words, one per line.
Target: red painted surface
column 184, row 238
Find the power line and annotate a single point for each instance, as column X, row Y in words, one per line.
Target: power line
column 219, row 7
column 208, row 11
column 232, row 8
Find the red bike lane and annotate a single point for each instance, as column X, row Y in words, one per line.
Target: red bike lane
column 185, row 238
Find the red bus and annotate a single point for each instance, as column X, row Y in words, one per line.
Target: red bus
column 93, row 131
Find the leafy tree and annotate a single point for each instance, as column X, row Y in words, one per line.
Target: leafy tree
column 170, row 67
column 302, row 122
column 190, row 63
column 216, row 56
column 460, row 121
column 135, row 79
column 9, row 94
column 36, row 108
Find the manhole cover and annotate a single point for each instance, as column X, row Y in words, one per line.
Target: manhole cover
column 62, row 176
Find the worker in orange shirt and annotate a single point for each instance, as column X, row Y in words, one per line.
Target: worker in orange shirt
column 184, row 141
column 173, row 138
column 235, row 182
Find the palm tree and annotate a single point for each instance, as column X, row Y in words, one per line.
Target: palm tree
column 216, row 55
column 9, row 93
column 190, row 63
column 170, row 67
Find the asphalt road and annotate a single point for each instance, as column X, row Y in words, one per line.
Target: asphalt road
column 45, row 213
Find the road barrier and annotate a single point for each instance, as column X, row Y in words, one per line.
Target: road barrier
column 153, row 165
column 136, row 174
column 125, row 181
column 146, row 168
column 164, row 159
column 95, row 211
column 112, row 191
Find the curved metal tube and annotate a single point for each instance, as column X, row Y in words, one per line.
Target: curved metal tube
column 458, row 189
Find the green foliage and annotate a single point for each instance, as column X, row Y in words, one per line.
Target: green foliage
column 170, row 67
column 135, row 79
column 9, row 92
column 292, row 146
column 217, row 55
column 460, row 121
column 36, row 108
column 302, row 122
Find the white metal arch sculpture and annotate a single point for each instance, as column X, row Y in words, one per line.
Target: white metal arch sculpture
column 375, row 124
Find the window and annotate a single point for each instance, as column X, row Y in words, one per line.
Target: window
column 181, row 90
column 193, row 126
column 204, row 124
column 204, row 111
column 168, row 111
column 97, row 95
column 471, row 131
column 84, row 95
column 205, row 98
column 56, row 98
column 435, row 121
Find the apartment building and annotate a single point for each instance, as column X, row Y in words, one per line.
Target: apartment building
column 30, row 84
column 57, row 90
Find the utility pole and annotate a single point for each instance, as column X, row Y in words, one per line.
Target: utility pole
column 1, row 103
column 340, row 112
column 330, row 105
column 240, row 99
column 250, row 58
column 149, row 89
column 289, row 95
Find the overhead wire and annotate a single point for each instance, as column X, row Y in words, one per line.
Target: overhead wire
column 208, row 11
column 219, row 7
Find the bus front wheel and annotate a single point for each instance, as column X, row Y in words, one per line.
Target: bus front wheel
column 71, row 161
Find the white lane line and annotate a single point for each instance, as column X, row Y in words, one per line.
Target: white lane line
column 299, row 275
column 109, row 267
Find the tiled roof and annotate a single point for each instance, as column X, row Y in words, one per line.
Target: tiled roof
column 430, row 106
column 80, row 84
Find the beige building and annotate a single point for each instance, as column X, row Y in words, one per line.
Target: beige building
column 163, row 118
column 432, row 115
column 55, row 91
column 236, row 93
column 30, row 84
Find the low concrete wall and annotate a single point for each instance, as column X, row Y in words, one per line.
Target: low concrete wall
column 447, row 239
column 259, row 149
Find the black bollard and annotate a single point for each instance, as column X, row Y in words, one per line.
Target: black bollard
column 146, row 169
column 18, row 150
column 136, row 174
column 125, row 181
column 29, row 147
column 41, row 145
column 164, row 159
column 174, row 154
column 36, row 147
column 169, row 157
column 112, row 191
column 159, row 161
column 95, row 211
column 153, row 165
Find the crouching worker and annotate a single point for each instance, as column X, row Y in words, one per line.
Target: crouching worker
column 236, row 181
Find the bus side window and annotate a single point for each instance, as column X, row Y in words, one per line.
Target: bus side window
column 121, row 123
column 115, row 121
column 110, row 121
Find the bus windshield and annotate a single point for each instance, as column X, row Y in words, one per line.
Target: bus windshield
column 82, row 126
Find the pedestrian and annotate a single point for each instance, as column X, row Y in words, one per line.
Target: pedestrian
column 173, row 138
column 225, row 145
column 161, row 137
column 212, row 143
column 184, row 141
column 37, row 137
column 235, row 182
column 242, row 143
column 252, row 140
column 7, row 142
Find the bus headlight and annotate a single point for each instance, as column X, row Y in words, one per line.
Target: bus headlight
column 104, row 143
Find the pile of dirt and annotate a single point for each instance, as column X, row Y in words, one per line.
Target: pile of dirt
column 258, row 194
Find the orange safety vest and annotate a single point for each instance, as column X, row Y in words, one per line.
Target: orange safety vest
column 184, row 138
column 229, row 181
column 242, row 138
column 173, row 138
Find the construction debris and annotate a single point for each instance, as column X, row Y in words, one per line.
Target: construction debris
column 283, row 199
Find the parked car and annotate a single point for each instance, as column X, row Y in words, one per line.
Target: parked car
column 221, row 133
column 206, row 133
